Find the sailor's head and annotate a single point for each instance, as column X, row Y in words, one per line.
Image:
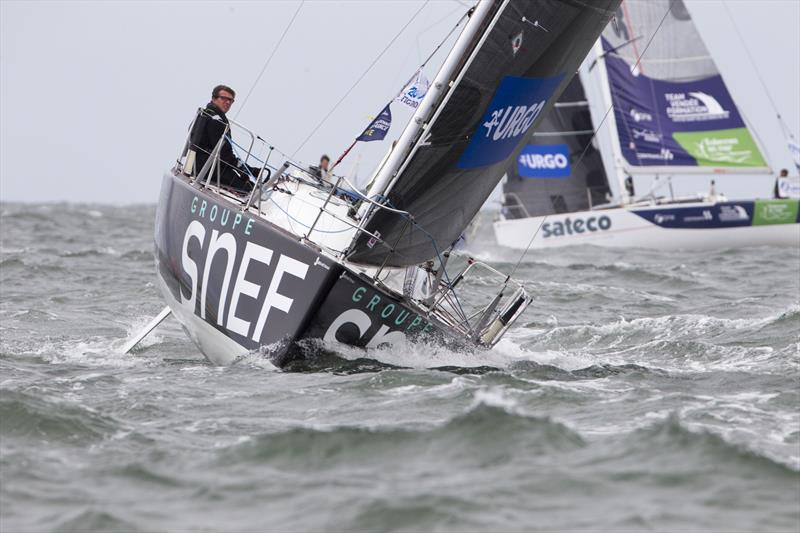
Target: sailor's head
column 223, row 97
column 324, row 162
column 784, row 173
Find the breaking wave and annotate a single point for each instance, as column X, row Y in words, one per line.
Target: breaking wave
column 640, row 391
column 28, row 416
column 484, row 432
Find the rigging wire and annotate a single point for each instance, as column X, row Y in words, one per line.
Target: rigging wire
column 363, row 74
column 441, row 43
column 439, row 21
column 407, row 83
column 589, row 143
column 611, row 107
column 269, row 59
column 786, row 131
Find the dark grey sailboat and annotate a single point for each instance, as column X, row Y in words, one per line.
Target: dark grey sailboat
column 559, row 170
column 301, row 259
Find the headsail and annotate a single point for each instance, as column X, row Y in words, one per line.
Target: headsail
column 511, row 75
column 559, row 170
column 673, row 112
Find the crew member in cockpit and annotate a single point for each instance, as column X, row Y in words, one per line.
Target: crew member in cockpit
column 321, row 172
column 778, row 192
column 207, row 130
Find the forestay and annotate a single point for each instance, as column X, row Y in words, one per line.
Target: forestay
column 673, row 111
column 510, row 76
column 559, row 170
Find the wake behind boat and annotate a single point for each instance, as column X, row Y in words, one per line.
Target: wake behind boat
column 670, row 114
column 300, row 258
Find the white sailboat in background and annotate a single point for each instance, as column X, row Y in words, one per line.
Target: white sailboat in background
column 672, row 115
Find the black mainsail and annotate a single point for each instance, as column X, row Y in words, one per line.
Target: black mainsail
column 509, row 78
column 559, row 170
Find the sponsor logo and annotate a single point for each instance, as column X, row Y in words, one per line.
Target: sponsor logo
column 721, row 150
column 379, row 127
column 732, row 213
column 665, row 154
column 730, row 147
column 373, row 240
column 694, row 107
column 516, row 105
column 705, row 216
column 639, row 116
column 718, row 216
column 413, row 94
column 512, row 121
column 646, row 135
column 233, row 261
column 578, row 226
column 395, row 319
column 214, row 247
column 221, row 216
column 788, row 189
column 794, row 149
column 776, row 212
column 544, row 161
column 516, row 43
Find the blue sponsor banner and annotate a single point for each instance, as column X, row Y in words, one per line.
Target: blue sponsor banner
column 544, row 161
column 379, row 127
column 665, row 123
column 516, row 105
column 724, row 215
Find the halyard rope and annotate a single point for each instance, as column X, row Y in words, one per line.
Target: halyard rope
column 363, row 75
column 266, row 63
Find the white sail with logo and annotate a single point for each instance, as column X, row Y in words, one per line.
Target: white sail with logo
column 672, row 112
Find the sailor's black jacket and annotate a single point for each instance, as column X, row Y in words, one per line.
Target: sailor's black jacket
column 207, row 129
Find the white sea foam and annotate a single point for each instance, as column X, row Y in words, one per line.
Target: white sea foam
column 494, row 397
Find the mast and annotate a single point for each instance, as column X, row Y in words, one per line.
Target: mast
column 441, row 84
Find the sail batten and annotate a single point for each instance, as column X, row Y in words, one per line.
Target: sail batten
column 566, row 133
column 513, row 76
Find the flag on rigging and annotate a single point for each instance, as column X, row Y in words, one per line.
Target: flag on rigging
column 379, row 127
column 415, row 91
column 794, row 149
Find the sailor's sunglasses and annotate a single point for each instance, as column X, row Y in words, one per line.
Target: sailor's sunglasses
column 226, row 99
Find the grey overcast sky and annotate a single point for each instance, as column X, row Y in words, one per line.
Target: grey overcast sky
column 95, row 97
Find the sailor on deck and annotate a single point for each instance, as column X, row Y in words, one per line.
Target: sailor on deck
column 712, row 192
column 322, row 171
column 208, row 128
column 780, row 185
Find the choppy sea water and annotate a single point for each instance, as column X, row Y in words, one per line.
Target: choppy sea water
column 641, row 391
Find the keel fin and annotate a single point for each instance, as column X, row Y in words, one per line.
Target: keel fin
column 139, row 337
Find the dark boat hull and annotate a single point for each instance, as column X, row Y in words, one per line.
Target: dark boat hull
column 240, row 284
